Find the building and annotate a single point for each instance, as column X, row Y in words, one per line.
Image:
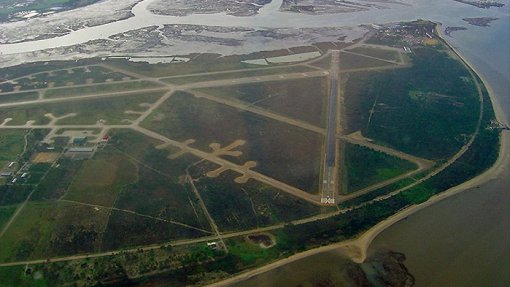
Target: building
column 80, row 140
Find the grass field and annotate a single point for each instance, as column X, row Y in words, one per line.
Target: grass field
column 51, row 229
column 128, row 230
column 96, row 89
column 427, row 110
column 273, row 145
column 160, row 190
column 10, row 146
column 324, row 63
column 302, row 99
column 365, row 167
column 5, row 214
column 253, row 204
column 18, row 97
column 351, row 61
column 75, row 76
column 13, row 194
column 232, row 75
column 390, row 55
column 88, row 111
column 101, row 179
column 57, row 180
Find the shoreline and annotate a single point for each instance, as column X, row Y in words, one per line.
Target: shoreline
column 363, row 241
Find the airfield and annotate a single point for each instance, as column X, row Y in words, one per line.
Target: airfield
column 187, row 161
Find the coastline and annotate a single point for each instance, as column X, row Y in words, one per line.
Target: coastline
column 356, row 249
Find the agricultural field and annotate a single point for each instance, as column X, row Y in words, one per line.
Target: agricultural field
column 194, row 171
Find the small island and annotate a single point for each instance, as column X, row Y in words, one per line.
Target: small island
column 480, row 21
column 482, row 4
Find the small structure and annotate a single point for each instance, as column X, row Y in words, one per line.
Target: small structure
column 80, row 153
column 5, row 174
column 81, row 149
column 213, row 245
column 11, row 164
column 80, row 140
column 105, row 138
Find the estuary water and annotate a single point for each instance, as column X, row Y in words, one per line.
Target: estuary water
column 448, row 12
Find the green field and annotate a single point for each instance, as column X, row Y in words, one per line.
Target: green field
column 99, row 89
column 5, row 214
column 100, row 180
column 18, row 97
column 351, row 61
column 51, row 229
column 365, row 167
column 302, row 99
column 88, row 111
column 240, row 74
column 381, row 53
column 10, row 146
column 273, row 145
column 416, row 125
column 56, row 182
column 253, row 204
